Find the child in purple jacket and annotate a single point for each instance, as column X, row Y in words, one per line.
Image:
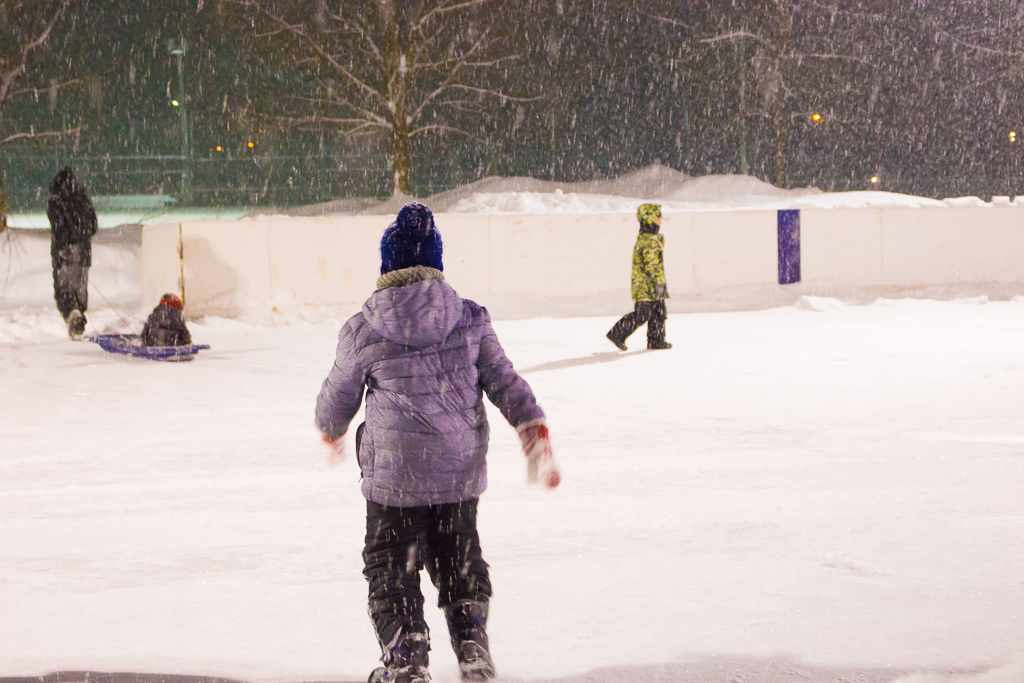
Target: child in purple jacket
column 425, row 357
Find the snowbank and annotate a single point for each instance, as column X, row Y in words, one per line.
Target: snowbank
column 26, row 276
column 676, row 191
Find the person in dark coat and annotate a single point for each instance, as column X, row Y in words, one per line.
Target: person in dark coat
column 165, row 326
column 425, row 357
column 73, row 223
column 648, row 284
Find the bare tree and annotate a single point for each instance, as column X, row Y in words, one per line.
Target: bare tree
column 398, row 69
column 28, row 25
column 795, row 50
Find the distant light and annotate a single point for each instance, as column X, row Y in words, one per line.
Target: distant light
column 816, row 117
column 874, row 179
column 174, row 103
column 250, row 144
column 219, row 148
column 1013, row 136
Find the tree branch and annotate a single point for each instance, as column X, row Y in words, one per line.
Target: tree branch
column 979, row 48
column 440, row 65
column 666, row 20
column 494, row 93
column 443, row 9
column 299, row 31
column 451, row 77
column 832, row 56
column 10, row 76
column 733, row 35
column 357, row 123
column 36, row 91
column 445, row 129
column 363, row 33
column 47, row 134
column 339, row 99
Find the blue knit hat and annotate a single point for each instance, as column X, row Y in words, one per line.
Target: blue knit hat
column 412, row 240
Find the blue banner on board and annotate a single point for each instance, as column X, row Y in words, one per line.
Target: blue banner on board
column 789, row 247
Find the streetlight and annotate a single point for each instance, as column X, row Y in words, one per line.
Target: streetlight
column 186, row 142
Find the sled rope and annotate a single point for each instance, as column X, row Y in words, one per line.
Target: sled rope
column 112, row 307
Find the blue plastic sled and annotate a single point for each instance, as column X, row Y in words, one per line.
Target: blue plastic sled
column 131, row 345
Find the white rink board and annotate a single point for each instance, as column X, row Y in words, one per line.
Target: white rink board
column 560, row 255
column 734, row 248
column 225, row 266
column 161, row 263
column 255, row 266
column 841, row 246
column 936, row 246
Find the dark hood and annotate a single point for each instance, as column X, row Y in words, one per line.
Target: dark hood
column 65, row 183
column 649, row 228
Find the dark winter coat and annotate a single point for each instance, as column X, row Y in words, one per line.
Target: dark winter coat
column 165, row 327
column 71, row 213
column 425, row 358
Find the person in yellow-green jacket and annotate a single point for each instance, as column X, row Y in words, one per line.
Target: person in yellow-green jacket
column 649, row 287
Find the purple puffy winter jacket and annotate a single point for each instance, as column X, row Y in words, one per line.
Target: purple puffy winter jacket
column 425, row 357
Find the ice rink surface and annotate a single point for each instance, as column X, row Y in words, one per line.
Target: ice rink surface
column 820, row 492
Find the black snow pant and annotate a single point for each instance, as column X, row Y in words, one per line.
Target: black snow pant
column 651, row 312
column 71, row 278
column 399, row 542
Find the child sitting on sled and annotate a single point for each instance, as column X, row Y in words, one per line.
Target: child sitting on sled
column 165, row 326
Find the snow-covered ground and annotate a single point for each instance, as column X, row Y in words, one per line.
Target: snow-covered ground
column 825, row 490
column 674, row 189
column 819, row 492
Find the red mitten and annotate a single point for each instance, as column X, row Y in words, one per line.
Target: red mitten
column 336, row 447
column 540, row 462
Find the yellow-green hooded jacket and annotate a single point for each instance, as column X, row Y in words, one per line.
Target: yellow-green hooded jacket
column 648, row 267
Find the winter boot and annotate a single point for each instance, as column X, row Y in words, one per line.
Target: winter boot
column 76, row 325
column 467, row 624
column 620, row 344
column 405, row 660
column 659, row 346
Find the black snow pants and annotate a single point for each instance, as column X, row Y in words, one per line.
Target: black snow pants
column 71, row 278
column 651, row 312
column 399, row 542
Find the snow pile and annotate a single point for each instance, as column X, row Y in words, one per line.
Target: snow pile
column 675, row 190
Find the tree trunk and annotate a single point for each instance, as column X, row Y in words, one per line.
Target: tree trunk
column 780, row 38
column 3, row 206
column 741, row 63
column 402, row 149
column 397, row 61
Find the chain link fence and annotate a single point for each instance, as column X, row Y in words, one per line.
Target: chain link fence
column 222, row 180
